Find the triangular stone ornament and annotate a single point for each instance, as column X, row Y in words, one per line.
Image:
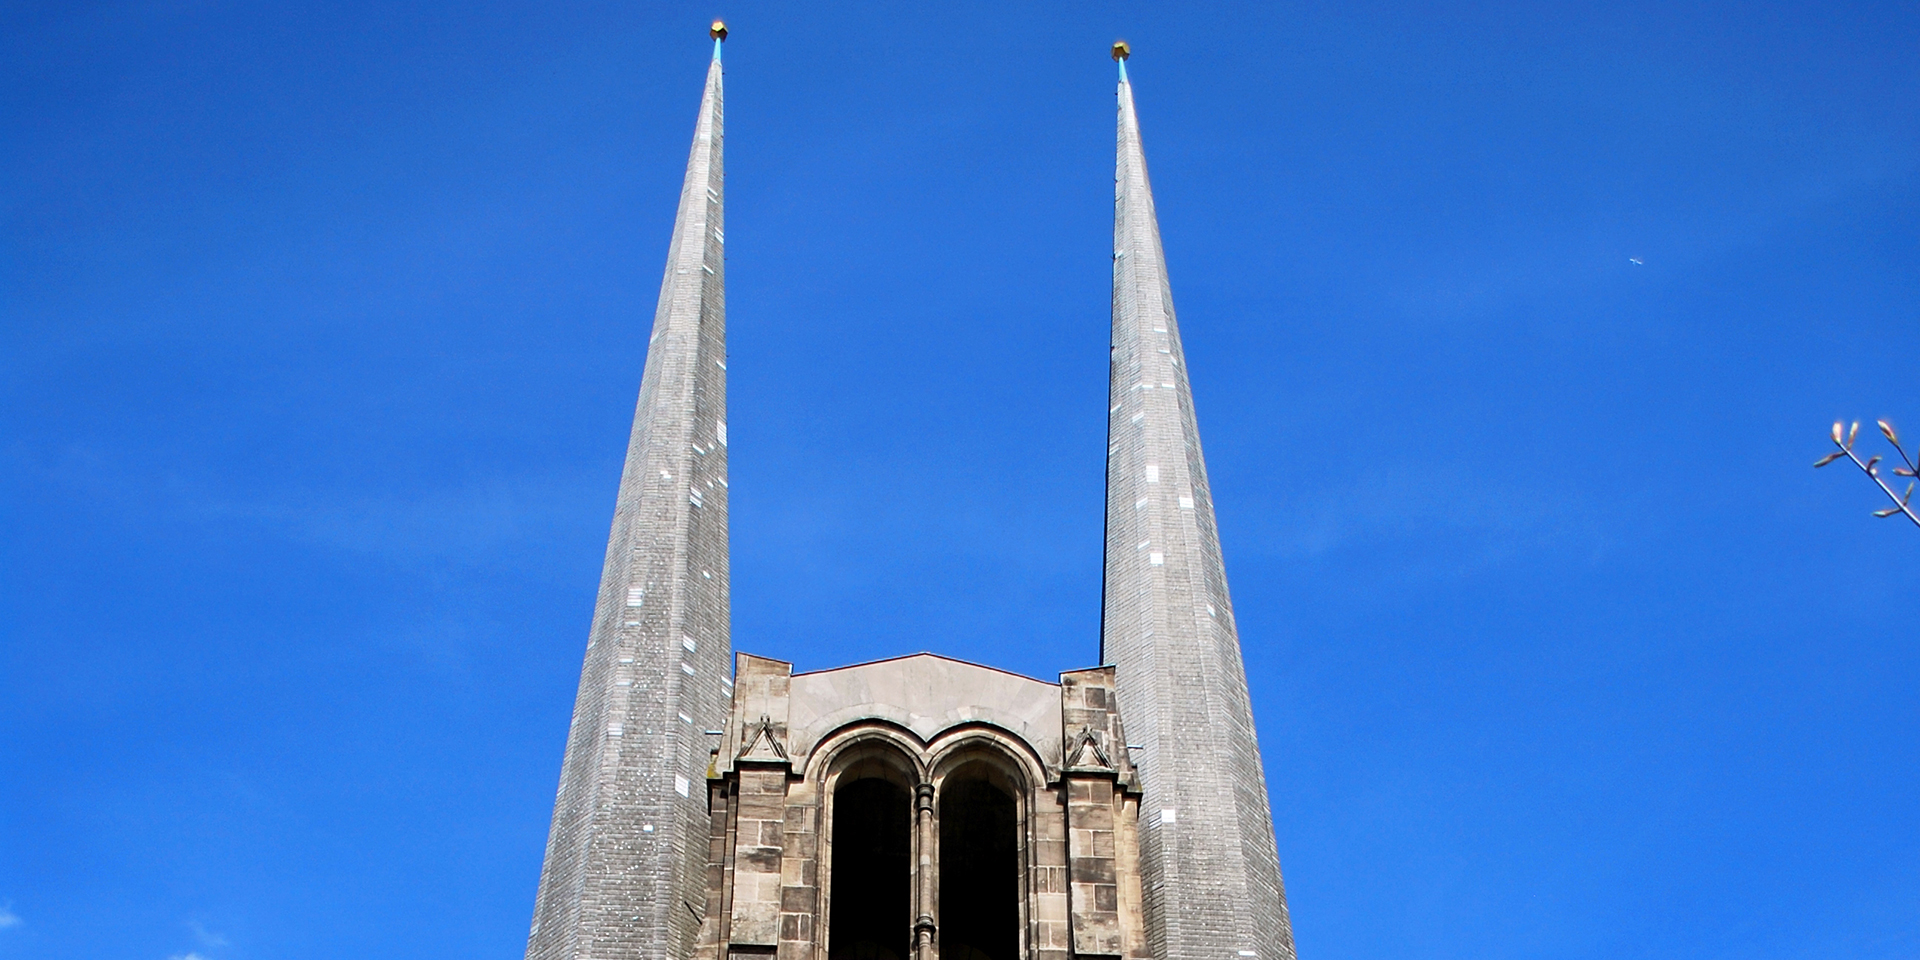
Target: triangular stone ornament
column 1084, row 743
column 762, row 733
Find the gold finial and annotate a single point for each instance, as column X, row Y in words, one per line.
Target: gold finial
column 1121, row 51
column 718, row 31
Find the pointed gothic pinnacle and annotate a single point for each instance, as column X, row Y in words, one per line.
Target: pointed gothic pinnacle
column 719, row 34
column 1120, row 54
column 1167, row 622
column 663, row 604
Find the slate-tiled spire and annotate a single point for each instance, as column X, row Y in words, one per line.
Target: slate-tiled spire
column 1211, row 875
column 625, row 870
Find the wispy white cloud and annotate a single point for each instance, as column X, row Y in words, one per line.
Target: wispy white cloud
column 471, row 522
column 1442, row 522
column 207, row 938
column 186, row 956
column 8, row 918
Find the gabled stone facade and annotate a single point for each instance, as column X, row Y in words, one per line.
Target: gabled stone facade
column 926, row 725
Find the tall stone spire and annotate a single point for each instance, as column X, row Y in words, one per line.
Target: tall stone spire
column 625, row 870
column 1212, row 876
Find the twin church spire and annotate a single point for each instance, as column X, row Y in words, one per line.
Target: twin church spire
column 1207, row 851
column 628, row 855
column 626, row 859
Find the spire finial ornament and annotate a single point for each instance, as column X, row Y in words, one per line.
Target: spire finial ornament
column 719, row 34
column 1120, row 54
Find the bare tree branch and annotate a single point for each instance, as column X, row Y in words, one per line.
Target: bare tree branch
column 1871, row 467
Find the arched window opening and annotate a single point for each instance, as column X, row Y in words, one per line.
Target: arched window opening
column 979, row 868
column 871, row 907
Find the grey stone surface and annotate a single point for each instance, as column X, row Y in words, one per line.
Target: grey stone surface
column 1212, row 876
column 625, row 876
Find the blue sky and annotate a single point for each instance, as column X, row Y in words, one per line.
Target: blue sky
column 323, row 324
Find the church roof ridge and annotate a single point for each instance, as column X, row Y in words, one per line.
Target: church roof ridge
column 932, row 655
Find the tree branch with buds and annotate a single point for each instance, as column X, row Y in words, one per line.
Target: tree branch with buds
column 1871, row 467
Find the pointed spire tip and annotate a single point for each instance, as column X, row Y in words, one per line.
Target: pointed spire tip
column 719, row 34
column 1121, row 51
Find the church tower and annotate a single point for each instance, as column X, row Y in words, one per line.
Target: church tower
column 715, row 806
column 625, row 871
column 1211, row 872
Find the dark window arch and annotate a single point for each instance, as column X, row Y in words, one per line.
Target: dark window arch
column 979, row 866
column 871, row 872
